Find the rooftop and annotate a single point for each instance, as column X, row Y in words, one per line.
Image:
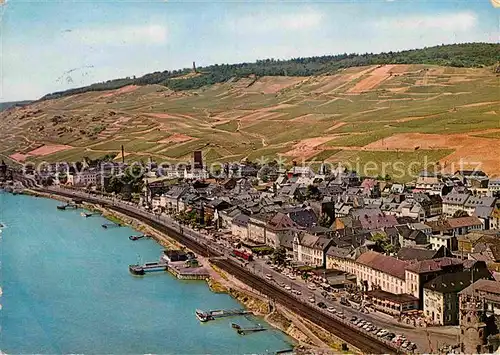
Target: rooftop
column 432, row 265
column 488, row 286
column 383, row 263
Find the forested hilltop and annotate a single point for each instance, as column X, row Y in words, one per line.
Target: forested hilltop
column 471, row 55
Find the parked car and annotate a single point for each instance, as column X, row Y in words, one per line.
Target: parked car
column 354, row 318
column 288, row 288
column 269, row 276
column 311, row 287
column 390, row 336
column 311, row 299
column 332, row 310
column 321, row 305
column 382, row 333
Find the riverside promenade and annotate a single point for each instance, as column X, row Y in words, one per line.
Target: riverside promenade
column 204, row 247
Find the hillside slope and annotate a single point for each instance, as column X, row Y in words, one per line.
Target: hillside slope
column 429, row 115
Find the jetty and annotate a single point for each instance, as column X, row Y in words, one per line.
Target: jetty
column 111, row 225
column 243, row 331
column 67, row 206
column 205, row 316
column 147, row 268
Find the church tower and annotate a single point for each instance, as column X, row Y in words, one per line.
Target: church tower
column 472, row 326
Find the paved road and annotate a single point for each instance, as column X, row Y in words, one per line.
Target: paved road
column 426, row 340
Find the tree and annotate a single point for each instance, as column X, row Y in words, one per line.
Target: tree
column 279, row 256
column 460, row 213
column 383, row 243
column 312, row 192
column 325, row 221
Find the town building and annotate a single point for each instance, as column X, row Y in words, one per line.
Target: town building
column 441, row 301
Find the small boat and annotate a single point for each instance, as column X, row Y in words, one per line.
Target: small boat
column 61, row 207
column 202, row 316
column 108, row 225
column 235, row 326
column 136, row 237
column 86, row 215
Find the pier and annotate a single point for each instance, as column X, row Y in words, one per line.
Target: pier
column 205, row 316
column 244, row 331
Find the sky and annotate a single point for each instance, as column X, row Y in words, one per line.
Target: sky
column 54, row 45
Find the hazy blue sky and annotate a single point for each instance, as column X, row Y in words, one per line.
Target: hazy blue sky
column 106, row 39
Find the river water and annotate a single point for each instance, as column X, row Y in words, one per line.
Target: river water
column 67, row 289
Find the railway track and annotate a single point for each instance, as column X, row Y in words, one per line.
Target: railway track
column 353, row 336
column 173, row 233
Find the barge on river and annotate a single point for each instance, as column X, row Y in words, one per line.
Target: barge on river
column 147, row 268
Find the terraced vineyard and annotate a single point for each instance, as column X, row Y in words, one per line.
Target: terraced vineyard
column 430, row 115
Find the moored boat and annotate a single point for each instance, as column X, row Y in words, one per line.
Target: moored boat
column 136, row 237
column 202, row 316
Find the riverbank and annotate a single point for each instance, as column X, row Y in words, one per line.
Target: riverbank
column 308, row 337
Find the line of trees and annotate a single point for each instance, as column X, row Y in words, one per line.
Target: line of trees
column 471, row 55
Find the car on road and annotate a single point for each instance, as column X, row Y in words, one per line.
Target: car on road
column 340, row 314
column 382, row 333
column 312, row 299
column 353, row 319
column 331, row 310
column 297, row 292
column 321, row 305
column 390, row 336
column 311, row 287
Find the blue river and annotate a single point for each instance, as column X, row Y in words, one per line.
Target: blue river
column 67, row 289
